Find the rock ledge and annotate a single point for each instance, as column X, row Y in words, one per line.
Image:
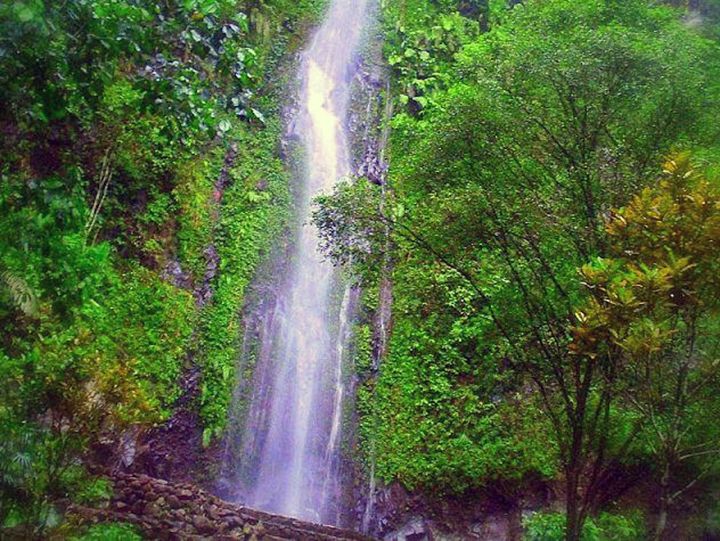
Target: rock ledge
column 168, row 511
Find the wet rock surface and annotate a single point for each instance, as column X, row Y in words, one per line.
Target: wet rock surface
column 204, row 291
column 163, row 510
column 488, row 515
column 172, row 450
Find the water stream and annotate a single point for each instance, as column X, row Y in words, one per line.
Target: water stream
column 294, row 420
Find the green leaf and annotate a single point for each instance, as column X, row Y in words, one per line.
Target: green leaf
column 258, row 115
column 224, row 126
column 25, row 14
column 207, row 437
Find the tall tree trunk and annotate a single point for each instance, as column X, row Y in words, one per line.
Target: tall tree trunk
column 664, row 503
column 573, row 502
column 573, row 525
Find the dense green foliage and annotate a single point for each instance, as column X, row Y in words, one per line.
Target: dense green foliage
column 503, row 180
column 111, row 532
column 555, row 286
column 256, row 209
column 140, row 187
column 606, row 527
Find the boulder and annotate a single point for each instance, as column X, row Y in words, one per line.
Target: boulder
column 203, row 525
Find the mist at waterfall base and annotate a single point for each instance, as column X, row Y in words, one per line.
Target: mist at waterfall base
column 288, row 457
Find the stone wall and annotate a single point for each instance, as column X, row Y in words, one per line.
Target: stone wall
column 168, row 511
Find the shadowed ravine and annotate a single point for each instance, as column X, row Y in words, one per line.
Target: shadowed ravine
column 292, row 428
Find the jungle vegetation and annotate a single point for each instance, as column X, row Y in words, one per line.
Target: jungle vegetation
column 550, row 224
column 140, row 185
column 551, row 214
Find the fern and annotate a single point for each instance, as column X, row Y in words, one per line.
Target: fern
column 20, row 292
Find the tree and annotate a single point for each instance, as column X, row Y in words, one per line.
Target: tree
column 654, row 304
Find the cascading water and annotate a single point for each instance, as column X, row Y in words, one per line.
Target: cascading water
column 292, row 430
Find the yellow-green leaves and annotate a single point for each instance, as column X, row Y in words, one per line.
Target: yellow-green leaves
column 665, row 260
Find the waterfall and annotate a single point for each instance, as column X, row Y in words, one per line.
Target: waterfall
column 292, row 430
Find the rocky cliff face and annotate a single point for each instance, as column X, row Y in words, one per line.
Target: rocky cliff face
column 488, row 515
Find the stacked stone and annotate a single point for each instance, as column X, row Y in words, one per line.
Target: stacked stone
column 169, row 511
